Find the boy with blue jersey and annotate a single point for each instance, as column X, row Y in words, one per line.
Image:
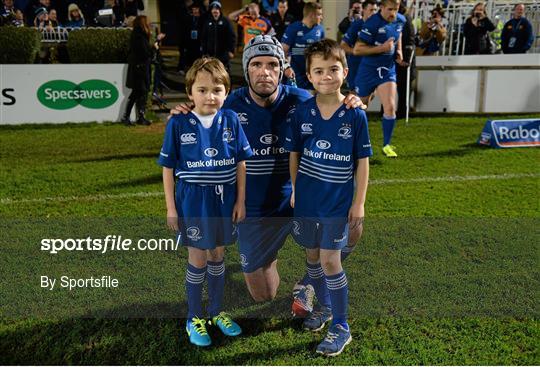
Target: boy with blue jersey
column 379, row 44
column 351, row 36
column 298, row 36
column 330, row 150
column 206, row 149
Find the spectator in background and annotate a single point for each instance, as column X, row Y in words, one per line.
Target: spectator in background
column 407, row 46
column 75, row 17
column 191, row 37
column 298, row 36
column 218, row 38
column 89, row 10
column 369, row 7
column 476, row 31
column 32, row 10
column 355, row 13
column 53, row 18
column 517, row 35
column 282, row 19
column 296, row 9
column 138, row 74
column 270, row 7
column 19, row 18
column 432, row 34
column 132, row 7
column 41, row 20
column 8, row 14
column 250, row 19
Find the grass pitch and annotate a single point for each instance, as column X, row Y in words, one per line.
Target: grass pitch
column 446, row 273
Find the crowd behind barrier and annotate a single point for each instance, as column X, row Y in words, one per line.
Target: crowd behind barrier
column 55, row 19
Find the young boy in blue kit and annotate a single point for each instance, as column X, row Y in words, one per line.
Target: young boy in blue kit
column 329, row 148
column 205, row 150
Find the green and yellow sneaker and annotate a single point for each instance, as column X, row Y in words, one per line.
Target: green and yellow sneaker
column 226, row 324
column 388, row 151
column 197, row 333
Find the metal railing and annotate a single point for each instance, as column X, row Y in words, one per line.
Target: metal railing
column 61, row 34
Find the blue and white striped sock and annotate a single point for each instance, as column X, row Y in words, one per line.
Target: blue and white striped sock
column 194, row 286
column 318, row 281
column 215, row 273
column 339, row 296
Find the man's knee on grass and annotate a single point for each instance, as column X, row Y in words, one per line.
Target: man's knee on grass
column 263, row 283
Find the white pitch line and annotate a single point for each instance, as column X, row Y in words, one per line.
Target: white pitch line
column 147, row 194
column 387, row 181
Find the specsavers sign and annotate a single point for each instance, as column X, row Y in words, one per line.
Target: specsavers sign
column 62, row 93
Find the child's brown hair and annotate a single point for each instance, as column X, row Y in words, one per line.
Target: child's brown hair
column 212, row 66
column 328, row 49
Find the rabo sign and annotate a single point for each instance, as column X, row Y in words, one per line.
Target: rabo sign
column 511, row 133
column 64, row 94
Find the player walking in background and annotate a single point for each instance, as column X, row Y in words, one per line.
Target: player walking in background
column 369, row 7
column 298, row 36
column 330, row 150
column 379, row 44
column 206, row 149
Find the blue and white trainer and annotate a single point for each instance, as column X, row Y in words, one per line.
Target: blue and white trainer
column 316, row 320
column 226, row 324
column 302, row 300
column 335, row 341
column 197, row 333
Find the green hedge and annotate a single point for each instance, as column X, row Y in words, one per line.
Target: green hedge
column 98, row 46
column 19, row 45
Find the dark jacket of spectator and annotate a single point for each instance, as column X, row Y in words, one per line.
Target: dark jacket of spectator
column 517, row 36
column 280, row 24
column 139, row 58
column 138, row 75
column 476, row 31
column 218, row 38
column 131, row 7
column 407, row 47
column 355, row 13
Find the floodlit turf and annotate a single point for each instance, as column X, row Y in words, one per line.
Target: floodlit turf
column 446, row 273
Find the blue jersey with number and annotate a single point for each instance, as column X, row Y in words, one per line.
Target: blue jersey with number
column 298, row 37
column 377, row 31
column 204, row 156
column 328, row 151
column 268, row 179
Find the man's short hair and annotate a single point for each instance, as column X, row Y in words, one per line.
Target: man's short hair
column 210, row 65
column 389, row 2
column 515, row 6
column 368, row 2
column 311, row 8
column 328, row 49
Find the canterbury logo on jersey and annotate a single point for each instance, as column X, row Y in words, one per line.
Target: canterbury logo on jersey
column 188, row 138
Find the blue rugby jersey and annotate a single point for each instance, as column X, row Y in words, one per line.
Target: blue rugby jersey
column 377, row 31
column 350, row 38
column 204, row 156
column 268, row 179
column 329, row 151
column 298, row 37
